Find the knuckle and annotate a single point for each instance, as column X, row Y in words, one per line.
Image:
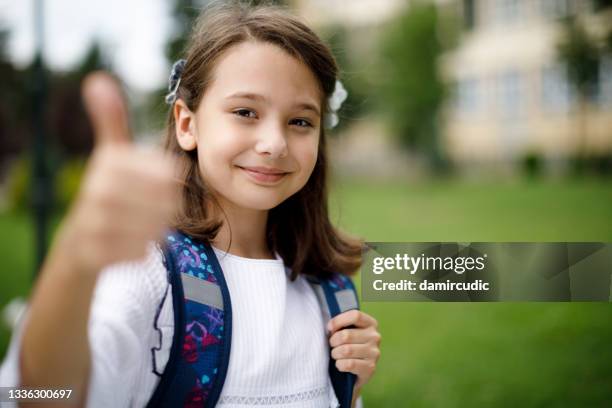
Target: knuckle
column 349, row 365
column 333, row 341
column 340, row 365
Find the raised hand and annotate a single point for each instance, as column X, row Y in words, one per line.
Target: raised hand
column 128, row 195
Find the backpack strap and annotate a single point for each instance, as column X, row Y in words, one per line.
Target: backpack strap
column 199, row 356
column 338, row 295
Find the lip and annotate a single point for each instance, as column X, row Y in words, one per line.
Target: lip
column 265, row 175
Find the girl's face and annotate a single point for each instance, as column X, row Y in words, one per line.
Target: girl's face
column 257, row 126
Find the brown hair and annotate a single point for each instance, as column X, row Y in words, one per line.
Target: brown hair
column 299, row 228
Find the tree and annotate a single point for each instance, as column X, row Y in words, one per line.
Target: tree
column 412, row 91
column 68, row 122
column 353, row 79
column 14, row 133
column 580, row 53
column 185, row 13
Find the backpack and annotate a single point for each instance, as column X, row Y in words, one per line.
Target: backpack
column 199, row 355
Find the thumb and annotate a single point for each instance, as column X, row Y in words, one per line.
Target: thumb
column 106, row 108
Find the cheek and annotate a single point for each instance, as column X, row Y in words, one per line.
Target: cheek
column 306, row 155
column 218, row 148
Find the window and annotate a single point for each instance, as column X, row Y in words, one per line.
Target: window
column 555, row 9
column 468, row 96
column 507, row 11
column 605, row 83
column 555, row 89
column 510, row 94
column 469, row 14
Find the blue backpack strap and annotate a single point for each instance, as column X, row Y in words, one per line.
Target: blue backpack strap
column 199, row 356
column 338, row 295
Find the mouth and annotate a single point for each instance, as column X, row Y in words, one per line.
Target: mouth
column 264, row 175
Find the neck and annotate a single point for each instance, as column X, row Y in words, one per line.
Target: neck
column 243, row 231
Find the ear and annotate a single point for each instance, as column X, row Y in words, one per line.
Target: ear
column 184, row 122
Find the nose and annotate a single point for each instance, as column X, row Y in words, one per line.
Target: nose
column 272, row 141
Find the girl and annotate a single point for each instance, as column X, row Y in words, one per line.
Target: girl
column 246, row 134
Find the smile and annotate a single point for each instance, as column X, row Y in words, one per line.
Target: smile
column 263, row 175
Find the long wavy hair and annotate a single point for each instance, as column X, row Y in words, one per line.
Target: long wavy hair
column 299, row 228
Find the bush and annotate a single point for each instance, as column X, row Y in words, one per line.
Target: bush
column 19, row 181
column 65, row 179
column 68, row 182
column 595, row 164
column 532, row 164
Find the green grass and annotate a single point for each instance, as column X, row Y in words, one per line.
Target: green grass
column 16, row 243
column 447, row 211
column 18, row 261
column 486, row 354
column 457, row 354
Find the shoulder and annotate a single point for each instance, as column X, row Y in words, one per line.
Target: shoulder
column 140, row 283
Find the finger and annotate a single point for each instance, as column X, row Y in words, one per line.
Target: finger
column 361, row 368
column 106, row 108
column 360, row 351
column 354, row 336
column 351, row 318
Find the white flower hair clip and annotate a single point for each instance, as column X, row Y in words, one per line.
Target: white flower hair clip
column 335, row 102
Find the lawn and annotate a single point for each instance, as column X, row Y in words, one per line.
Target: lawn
column 490, row 354
column 457, row 354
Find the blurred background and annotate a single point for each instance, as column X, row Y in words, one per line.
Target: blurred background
column 467, row 120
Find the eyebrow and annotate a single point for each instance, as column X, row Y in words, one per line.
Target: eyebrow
column 261, row 98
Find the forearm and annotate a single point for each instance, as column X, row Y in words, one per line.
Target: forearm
column 55, row 347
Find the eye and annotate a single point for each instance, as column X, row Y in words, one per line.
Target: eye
column 301, row 122
column 245, row 113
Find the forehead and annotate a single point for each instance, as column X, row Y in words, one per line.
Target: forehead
column 265, row 69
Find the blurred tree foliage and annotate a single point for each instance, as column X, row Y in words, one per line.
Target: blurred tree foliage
column 583, row 54
column 354, row 80
column 67, row 129
column 185, row 13
column 14, row 131
column 68, row 122
column 412, row 90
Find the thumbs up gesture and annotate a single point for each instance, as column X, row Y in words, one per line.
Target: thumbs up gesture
column 128, row 195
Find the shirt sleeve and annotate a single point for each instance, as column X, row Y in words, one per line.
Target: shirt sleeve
column 123, row 308
column 9, row 371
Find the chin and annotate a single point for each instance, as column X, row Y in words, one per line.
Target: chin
column 259, row 200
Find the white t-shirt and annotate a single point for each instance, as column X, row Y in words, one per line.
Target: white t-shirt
column 279, row 352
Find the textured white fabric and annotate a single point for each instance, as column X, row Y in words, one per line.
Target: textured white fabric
column 279, row 352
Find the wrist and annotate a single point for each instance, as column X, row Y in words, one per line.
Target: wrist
column 65, row 257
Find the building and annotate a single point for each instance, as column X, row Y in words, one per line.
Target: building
column 512, row 94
